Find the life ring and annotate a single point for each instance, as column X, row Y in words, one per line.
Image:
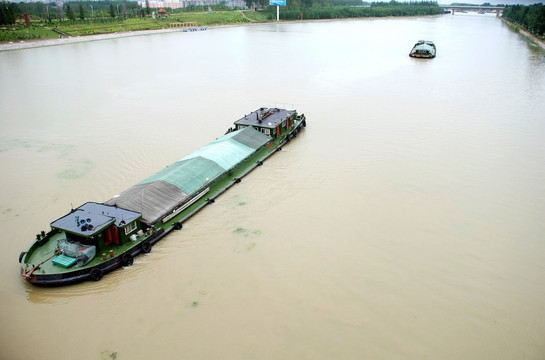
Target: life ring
column 146, row 247
column 21, row 256
column 96, row 274
column 126, row 259
column 178, row 225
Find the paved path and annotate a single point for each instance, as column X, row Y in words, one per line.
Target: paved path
column 244, row 16
column 76, row 39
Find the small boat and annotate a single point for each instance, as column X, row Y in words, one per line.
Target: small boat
column 423, row 49
column 96, row 238
column 194, row 28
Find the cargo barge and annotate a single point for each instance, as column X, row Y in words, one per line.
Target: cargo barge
column 96, row 238
column 423, row 49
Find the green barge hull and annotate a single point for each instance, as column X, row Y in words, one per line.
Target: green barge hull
column 97, row 238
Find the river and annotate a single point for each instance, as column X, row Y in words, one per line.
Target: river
column 405, row 222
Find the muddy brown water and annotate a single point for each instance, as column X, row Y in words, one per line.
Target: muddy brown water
column 405, row 222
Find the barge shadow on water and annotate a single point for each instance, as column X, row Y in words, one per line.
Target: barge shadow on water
column 96, row 238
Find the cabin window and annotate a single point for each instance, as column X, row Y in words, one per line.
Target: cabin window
column 130, row 228
column 266, row 131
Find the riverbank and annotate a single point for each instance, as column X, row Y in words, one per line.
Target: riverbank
column 539, row 42
column 29, row 44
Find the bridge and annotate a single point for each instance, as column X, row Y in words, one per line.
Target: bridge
column 477, row 8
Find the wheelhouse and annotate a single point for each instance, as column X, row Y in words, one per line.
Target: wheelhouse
column 270, row 121
column 99, row 225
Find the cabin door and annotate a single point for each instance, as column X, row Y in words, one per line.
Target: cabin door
column 114, row 234
column 107, row 236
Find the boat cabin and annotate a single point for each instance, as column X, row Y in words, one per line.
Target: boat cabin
column 99, row 225
column 269, row 121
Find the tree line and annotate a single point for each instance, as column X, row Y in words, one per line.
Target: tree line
column 531, row 18
column 7, row 14
column 323, row 9
column 295, row 9
column 71, row 10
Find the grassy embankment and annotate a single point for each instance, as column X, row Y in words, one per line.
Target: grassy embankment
column 44, row 30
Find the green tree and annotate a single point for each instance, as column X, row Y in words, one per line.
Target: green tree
column 60, row 14
column 81, row 12
column 70, row 13
column 2, row 15
column 148, row 10
column 292, row 4
column 10, row 14
column 540, row 24
column 112, row 10
column 532, row 17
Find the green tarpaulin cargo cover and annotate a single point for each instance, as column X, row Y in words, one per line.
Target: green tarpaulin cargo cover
column 161, row 193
